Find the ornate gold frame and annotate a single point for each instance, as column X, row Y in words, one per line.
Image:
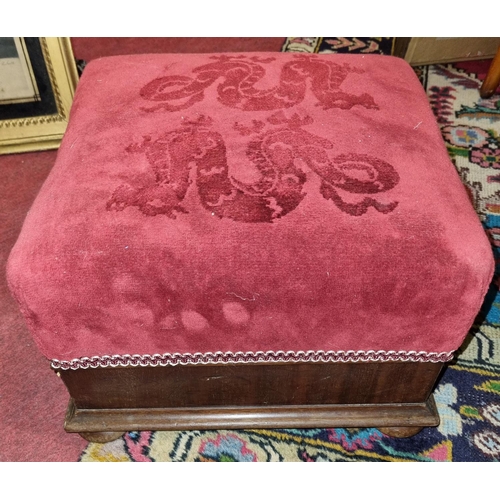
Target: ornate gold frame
column 45, row 132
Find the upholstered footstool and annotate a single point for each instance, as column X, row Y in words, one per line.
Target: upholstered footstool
column 255, row 240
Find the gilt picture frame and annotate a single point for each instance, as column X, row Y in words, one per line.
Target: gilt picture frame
column 38, row 78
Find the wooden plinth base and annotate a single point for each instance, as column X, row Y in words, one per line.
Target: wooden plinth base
column 394, row 397
column 398, row 420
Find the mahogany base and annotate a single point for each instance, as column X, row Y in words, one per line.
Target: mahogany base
column 393, row 396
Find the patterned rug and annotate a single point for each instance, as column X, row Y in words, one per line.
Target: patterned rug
column 468, row 393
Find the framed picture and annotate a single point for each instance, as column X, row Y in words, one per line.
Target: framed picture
column 38, row 77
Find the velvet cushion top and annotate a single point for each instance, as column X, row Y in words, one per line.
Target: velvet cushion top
column 247, row 203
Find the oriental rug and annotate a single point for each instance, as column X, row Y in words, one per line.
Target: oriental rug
column 468, row 393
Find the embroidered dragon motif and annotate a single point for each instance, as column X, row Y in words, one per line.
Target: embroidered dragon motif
column 273, row 150
column 240, row 77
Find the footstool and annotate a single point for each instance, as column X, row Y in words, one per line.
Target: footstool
column 247, row 241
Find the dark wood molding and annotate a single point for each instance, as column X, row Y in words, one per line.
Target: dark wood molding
column 254, row 395
column 251, row 384
column 257, row 417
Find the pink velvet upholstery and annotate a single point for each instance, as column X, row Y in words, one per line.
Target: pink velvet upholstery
column 244, row 203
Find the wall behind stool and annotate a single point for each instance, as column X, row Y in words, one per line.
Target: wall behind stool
column 92, row 48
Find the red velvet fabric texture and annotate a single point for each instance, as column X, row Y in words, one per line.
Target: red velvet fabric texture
column 251, row 202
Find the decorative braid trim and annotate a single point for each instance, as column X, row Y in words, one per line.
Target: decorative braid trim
column 249, row 357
